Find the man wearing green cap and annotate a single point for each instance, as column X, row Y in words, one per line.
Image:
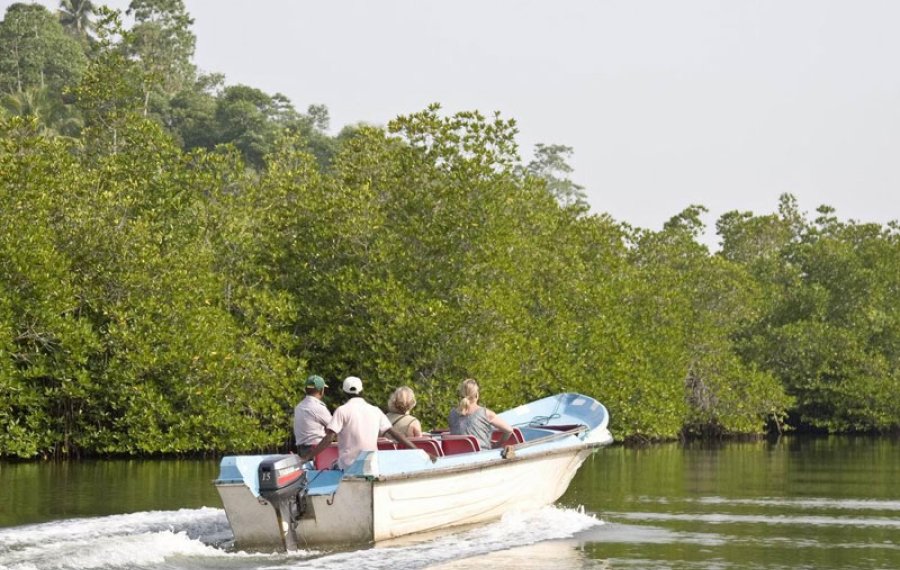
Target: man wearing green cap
column 311, row 415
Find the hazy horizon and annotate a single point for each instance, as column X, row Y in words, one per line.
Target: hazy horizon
column 666, row 104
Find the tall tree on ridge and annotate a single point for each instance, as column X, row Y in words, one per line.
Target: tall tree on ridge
column 162, row 41
column 35, row 52
column 75, row 17
column 550, row 163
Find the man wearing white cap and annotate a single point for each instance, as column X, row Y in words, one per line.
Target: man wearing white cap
column 356, row 425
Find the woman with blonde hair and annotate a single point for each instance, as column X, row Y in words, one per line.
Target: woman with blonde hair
column 469, row 418
column 399, row 405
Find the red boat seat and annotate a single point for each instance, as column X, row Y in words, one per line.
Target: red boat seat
column 427, row 445
column 453, row 444
column 517, row 437
column 327, row 458
column 385, row 444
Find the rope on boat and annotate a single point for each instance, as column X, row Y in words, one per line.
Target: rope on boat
column 538, row 421
column 544, row 420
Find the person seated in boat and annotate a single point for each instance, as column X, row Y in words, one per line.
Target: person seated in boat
column 311, row 415
column 356, row 425
column 401, row 402
column 470, row 418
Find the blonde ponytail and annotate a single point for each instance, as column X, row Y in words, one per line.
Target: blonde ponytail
column 468, row 394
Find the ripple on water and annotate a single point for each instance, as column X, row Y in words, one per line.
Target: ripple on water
column 730, row 518
column 794, row 503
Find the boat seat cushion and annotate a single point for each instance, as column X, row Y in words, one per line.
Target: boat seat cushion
column 517, row 437
column 385, row 444
column 453, row 444
column 327, row 458
column 428, row 445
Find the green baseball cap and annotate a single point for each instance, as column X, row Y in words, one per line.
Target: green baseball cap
column 316, row 382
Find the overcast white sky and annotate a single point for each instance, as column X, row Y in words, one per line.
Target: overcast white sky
column 666, row 103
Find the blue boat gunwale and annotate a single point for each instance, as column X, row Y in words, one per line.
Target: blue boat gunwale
column 536, row 420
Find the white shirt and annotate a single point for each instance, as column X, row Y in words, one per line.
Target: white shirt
column 358, row 425
column 310, row 418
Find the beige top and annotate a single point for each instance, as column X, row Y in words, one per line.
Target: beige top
column 402, row 423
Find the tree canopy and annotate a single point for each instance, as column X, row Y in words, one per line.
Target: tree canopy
column 177, row 254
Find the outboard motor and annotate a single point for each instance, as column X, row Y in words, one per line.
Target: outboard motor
column 282, row 482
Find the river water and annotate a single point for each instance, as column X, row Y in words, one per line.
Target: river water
column 817, row 503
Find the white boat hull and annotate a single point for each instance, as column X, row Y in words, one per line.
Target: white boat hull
column 389, row 494
column 469, row 496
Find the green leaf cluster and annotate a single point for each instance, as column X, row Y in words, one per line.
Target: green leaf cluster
column 171, row 269
column 116, row 335
column 828, row 329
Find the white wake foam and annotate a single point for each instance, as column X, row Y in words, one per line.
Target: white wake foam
column 513, row 530
column 132, row 540
column 187, row 538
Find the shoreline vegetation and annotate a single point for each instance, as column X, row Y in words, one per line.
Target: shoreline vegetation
column 177, row 254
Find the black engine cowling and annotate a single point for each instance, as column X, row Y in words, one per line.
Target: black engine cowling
column 283, row 484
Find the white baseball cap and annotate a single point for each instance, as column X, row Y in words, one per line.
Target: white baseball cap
column 352, row 385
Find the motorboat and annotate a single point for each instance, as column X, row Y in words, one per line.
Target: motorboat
column 275, row 502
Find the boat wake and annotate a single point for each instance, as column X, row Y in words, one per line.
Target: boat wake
column 198, row 538
column 141, row 539
column 513, row 531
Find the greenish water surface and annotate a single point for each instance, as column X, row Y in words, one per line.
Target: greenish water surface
column 829, row 502
column 48, row 491
column 801, row 502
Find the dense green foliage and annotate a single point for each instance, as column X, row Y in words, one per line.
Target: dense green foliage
column 174, row 266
